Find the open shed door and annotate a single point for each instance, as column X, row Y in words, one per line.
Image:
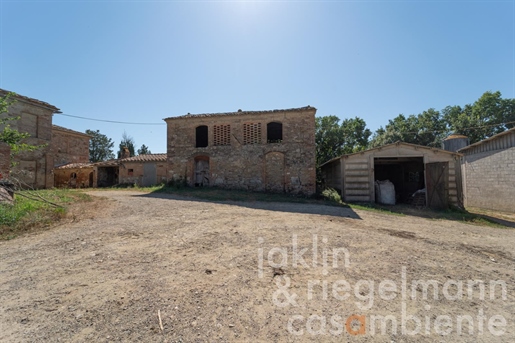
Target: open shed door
column 437, row 185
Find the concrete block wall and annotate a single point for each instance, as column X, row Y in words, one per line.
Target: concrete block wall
column 288, row 165
column 490, row 180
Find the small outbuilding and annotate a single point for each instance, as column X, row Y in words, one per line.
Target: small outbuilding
column 434, row 174
column 488, row 169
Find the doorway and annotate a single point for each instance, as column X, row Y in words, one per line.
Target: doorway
column 201, row 171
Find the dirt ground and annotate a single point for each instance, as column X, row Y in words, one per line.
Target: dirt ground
column 270, row 272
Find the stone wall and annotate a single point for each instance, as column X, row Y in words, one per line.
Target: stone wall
column 74, row 177
column 33, row 169
column 5, row 160
column 489, row 179
column 134, row 173
column 238, row 154
column 69, row 146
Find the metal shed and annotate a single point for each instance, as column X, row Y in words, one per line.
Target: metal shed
column 409, row 167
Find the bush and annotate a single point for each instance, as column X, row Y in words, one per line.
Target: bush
column 332, row 195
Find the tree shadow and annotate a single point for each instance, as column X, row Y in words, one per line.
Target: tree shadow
column 268, row 205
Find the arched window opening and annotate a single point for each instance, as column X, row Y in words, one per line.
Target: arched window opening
column 201, row 136
column 274, row 132
column 73, row 176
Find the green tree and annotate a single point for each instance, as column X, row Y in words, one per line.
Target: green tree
column 334, row 139
column 489, row 115
column 127, row 141
column 427, row 128
column 100, row 147
column 144, row 150
column 9, row 135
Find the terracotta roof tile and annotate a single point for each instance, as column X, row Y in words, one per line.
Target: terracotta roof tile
column 240, row 112
column 146, row 158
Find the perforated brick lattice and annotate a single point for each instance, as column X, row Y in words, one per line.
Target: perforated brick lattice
column 252, row 133
column 222, row 134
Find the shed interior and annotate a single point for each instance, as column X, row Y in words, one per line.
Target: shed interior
column 107, row 176
column 406, row 174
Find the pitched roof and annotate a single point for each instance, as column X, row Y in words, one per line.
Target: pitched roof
column 33, row 101
column 487, row 139
column 390, row 145
column 240, row 112
column 74, row 165
column 145, row 158
column 139, row 158
column 63, row 129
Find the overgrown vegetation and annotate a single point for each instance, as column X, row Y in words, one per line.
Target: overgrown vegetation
column 36, row 209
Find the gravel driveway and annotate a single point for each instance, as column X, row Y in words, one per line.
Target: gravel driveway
column 159, row 268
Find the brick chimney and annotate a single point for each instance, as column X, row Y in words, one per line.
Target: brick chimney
column 125, row 152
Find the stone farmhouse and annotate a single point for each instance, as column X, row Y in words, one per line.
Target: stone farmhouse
column 33, row 169
column 252, row 150
column 59, row 145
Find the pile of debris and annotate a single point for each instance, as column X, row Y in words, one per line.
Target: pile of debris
column 6, row 192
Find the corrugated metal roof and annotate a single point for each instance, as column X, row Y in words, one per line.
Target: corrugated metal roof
column 487, row 140
column 240, row 112
column 33, row 101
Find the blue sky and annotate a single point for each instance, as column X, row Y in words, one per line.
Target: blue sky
column 142, row 61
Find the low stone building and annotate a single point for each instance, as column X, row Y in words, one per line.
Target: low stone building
column 34, row 168
column 74, row 175
column 69, row 146
column 252, row 150
column 70, row 151
column 143, row 170
column 488, row 169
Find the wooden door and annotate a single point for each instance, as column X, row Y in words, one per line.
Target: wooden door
column 437, row 185
column 202, row 172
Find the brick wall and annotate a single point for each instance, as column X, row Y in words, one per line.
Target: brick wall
column 490, row 179
column 5, row 161
column 238, row 154
column 69, row 147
